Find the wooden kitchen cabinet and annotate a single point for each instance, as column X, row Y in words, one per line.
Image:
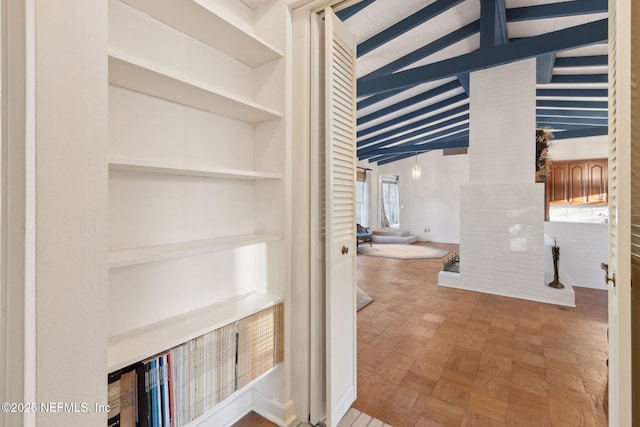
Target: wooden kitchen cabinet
column 578, row 182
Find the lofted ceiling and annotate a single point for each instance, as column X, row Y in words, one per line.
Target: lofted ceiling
column 415, row 56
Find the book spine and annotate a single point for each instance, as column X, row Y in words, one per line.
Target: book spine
column 171, row 382
column 128, row 398
column 186, row 396
column 153, row 391
column 161, row 387
column 113, row 380
column 148, row 390
column 142, row 390
column 166, row 410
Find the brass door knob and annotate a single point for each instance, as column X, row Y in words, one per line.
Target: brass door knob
column 608, row 279
column 611, row 279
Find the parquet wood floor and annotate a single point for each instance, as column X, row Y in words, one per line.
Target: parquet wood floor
column 435, row 356
column 430, row 356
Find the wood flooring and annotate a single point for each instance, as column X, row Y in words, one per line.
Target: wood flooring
column 434, row 356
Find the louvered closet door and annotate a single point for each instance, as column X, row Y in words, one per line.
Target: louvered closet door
column 620, row 209
column 340, row 216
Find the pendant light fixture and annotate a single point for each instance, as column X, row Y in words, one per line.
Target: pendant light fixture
column 416, row 172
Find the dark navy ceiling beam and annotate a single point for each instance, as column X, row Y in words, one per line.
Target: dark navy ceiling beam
column 371, row 150
column 423, row 15
column 572, row 104
column 369, row 101
column 348, row 12
column 544, row 67
column 421, row 97
column 582, row 61
column 580, row 78
column 390, row 159
column 542, row 112
column 456, row 124
column 426, row 50
column 581, row 133
column 461, row 143
column 580, row 35
column 572, row 120
column 414, row 114
column 464, row 81
column 493, row 23
column 411, row 127
column 451, row 141
column 461, row 34
column 574, row 93
column 557, row 10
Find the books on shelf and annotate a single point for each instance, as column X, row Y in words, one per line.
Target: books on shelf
column 179, row 385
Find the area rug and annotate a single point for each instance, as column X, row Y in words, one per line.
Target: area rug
column 362, row 298
column 403, row 251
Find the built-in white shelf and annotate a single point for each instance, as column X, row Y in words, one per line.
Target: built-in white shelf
column 140, row 255
column 136, row 345
column 128, row 165
column 153, row 80
column 211, row 27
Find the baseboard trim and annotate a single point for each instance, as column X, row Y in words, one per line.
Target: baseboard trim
column 566, row 296
column 272, row 409
column 228, row 412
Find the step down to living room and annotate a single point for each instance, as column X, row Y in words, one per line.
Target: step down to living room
column 393, row 235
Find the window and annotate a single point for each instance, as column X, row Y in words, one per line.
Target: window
column 362, row 213
column 391, row 201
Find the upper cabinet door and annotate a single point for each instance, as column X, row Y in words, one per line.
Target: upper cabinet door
column 597, row 181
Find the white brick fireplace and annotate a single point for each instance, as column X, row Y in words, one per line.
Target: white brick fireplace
column 502, row 209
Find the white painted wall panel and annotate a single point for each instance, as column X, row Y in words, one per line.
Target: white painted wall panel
column 146, row 128
column 149, row 209
column 70, row 267
column 150, row 292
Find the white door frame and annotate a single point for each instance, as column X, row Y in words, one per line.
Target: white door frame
column 306, row 307
column 17, row 214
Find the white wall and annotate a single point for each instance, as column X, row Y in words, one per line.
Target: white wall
column 71, row 200
column 583, row 247
column 595, row 147
column 433, row 201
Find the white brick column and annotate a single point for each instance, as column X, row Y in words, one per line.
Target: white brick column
column 502, row 209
